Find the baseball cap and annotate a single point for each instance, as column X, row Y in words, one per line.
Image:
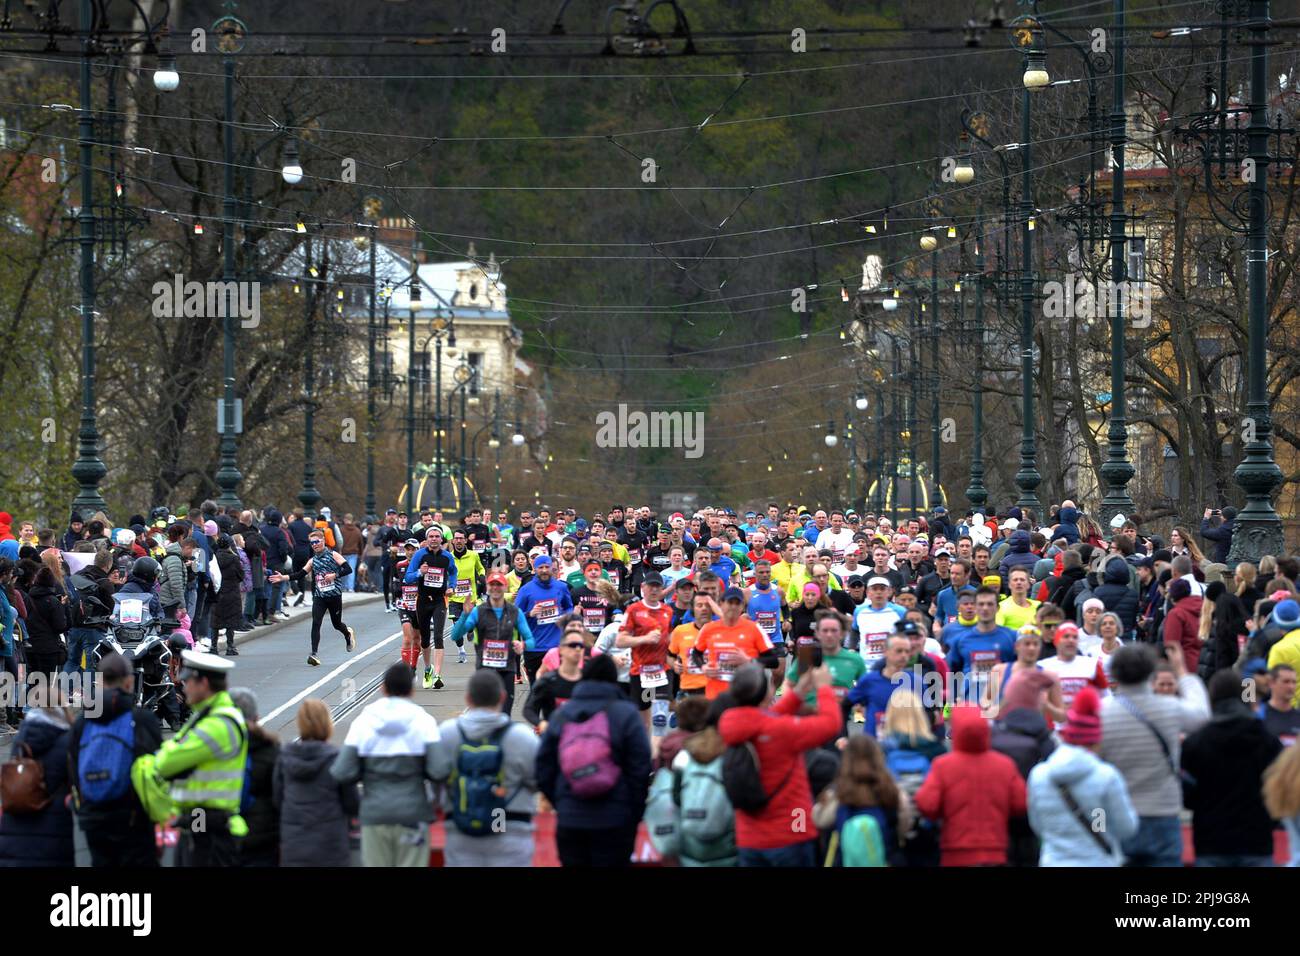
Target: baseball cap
column 653, row 578
column 855, row 581
column 751, row 514
column 735, row 594
column 592, row 563
column 942, row 552
column 992, row 581
column 1011, row 524
column 412, row 543
column 496, row 577
column 676, row 514
column 878, row 580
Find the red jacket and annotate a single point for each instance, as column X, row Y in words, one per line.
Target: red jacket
column 973, row 792
column 1183, row 627
column 781, row 739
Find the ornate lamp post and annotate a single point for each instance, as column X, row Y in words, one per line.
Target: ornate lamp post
column 1216, row 135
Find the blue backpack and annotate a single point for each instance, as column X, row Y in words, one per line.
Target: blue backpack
column 105, row 757
column 477, row 785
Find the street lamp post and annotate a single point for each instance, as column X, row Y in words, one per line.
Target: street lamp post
column 89, row 469
column 372, row 213
column 414, row 297
column 309, row 497
column 935, row 443
column 230, row 31
column 1027, row 36
column 1258, row 529
column 976, row 493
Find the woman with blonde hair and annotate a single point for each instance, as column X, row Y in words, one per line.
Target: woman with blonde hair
column 1282, row 796
column 314, row 809
column 910, row 747
column 1244, row 577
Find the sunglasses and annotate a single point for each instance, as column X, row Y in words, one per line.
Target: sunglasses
column 576, row 646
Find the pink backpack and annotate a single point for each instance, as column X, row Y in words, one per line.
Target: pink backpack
column 586, row 757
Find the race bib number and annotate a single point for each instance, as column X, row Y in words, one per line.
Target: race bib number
column 875, row 645
column 594, row 618
column 546, row 611
column 653, row 675
column 728, row 662
column 691, row 668
column 634, row 555
column 462, row 588
column 410, row 594
column 661, row 561
column 613, row 577
column 983, row 662
column 480, row 546
column 766, row 620
column 132, row 611
column 321, row 584
column 433, row 577
column 496, row 653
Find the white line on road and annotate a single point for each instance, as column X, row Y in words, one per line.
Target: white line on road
column 328, row 677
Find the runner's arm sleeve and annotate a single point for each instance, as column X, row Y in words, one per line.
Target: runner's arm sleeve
column 451, row 570
column 769, row 659
column 858, row 692
column 525, row 631
column 413, row 566
column 539, row 700
column 464, row 624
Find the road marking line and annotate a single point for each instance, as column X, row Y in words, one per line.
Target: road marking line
column 328, row 677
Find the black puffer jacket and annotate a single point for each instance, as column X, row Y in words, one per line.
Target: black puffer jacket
column 261, row 846
column 1023, row 736
column 314, row 808
column 229, row 611
column 1115, row 593
column 44, row 838
column 47, row 619
column 1018, row 555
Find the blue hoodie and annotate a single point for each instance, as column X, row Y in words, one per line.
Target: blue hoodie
column 1067, row 525
column 546, row 634
column 1018, row 555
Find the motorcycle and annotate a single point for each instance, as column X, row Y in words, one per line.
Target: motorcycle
column 151, row 647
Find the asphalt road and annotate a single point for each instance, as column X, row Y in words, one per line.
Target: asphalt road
column 274, row 665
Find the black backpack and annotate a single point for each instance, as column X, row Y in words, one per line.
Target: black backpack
column 86, row 603
column 742, row 780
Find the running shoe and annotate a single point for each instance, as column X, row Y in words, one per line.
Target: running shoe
column 437, row 682
column 460, row 656
column 352, row 639
column 428, row 678
column 313, row 660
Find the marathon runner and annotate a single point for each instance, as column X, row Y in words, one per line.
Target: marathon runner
column 435, row 571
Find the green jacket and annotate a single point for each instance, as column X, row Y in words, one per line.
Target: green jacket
column 206, row 759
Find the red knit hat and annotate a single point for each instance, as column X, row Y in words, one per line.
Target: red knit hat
column 1083, row 724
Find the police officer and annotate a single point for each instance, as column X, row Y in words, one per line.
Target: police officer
column 205, row 763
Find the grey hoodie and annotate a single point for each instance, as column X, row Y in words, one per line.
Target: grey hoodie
column 390, row 750
column 520, row 744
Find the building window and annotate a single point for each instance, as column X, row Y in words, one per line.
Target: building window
column 1137, row 259
column 475, row 362
column 473, row 291
column 420, row 377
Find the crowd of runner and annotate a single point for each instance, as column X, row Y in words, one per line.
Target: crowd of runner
column 774, row 688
